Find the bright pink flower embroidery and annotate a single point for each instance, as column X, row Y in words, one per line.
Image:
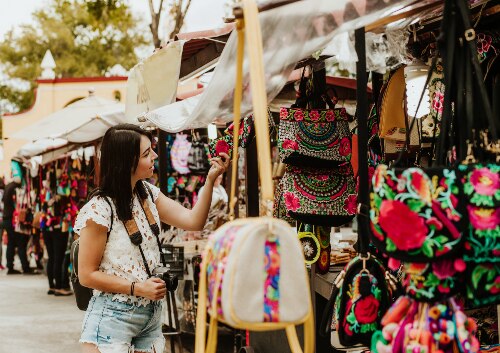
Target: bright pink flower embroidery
column 345, row 147
column 484, row 218
column 322, row 177
column 329, row 115
column 351, row 204
column 283, row 113
column 298, row 115
column 292, row 202
column 444, row 268
column 485, row 182
column 314, row 115
column 433, row 221
column 290, row 145
column 403, row 226
column 366, row 309
column 437, row 102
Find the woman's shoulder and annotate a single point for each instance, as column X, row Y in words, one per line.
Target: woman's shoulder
column 98, row 209
column 153, row 190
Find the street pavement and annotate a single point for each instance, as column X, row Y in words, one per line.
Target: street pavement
column 32, row 321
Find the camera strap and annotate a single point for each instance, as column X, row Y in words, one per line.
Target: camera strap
column 135, row 234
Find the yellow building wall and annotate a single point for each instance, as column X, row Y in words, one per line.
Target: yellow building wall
column 53, row 95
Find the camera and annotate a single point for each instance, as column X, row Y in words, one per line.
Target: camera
column 171, row 280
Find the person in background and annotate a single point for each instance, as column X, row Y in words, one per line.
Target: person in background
column 15, row 240
column 2, row 187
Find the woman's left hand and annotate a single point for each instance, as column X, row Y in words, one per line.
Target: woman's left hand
column 218, row 166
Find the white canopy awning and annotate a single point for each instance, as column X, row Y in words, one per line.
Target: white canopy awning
column 83, row 121
column 35, row 148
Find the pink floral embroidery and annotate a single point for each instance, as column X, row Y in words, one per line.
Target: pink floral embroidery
column 299, row 115
column 314, row 115
column 345, row 147
column 350, row 204
column 484, row 218
column 292, row 202
column 290, row 145
column 437, row 102
column 330, row 116
column 283, row 113
column 395, row 216
column 485, row 182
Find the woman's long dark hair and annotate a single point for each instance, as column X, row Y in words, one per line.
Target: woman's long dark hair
column 120, row 153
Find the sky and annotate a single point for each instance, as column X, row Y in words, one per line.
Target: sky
column 203, row 14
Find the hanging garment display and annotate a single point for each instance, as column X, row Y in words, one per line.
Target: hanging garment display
column 198, row 158
column 179, row 153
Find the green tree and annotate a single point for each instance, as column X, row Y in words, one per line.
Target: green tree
column 86, row 40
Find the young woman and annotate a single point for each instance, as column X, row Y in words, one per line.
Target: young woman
column 118, row 239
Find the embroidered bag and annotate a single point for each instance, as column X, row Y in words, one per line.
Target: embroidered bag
column 320, row 197
column 360, row 297
column 430, row 282
column 482, row 247
column 179, row 153
column 253, row 276
column 412, row 326
column 314, row 137
column 197, row 158
column 415, row 214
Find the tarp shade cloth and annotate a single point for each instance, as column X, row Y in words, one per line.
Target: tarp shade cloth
column 82, row 121
column 291, row 33
column 153, row 82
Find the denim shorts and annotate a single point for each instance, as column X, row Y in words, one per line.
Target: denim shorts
column 116, row 327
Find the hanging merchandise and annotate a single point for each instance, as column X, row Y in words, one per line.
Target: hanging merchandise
column 361, row 295
column 482, row 247
column 23, row 214
column 179, row 153
column 310, row 137
column 64, row 184
column 223, row 144
column 310, row 244
column 198, row 156
column 430, row 282
column 320, row 197
column 436, row 97
column 410, row 326
column 247, row 130
column 414, row 213
column 254, row 252
column 394, row 123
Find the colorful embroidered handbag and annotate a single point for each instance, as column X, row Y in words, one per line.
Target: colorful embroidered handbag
column 253, row 276
column 410, row 326
column 431, row 282
column 314, row 137
column 361, row 295
column 415, row 214
column 481, row 185
column 320, row 197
